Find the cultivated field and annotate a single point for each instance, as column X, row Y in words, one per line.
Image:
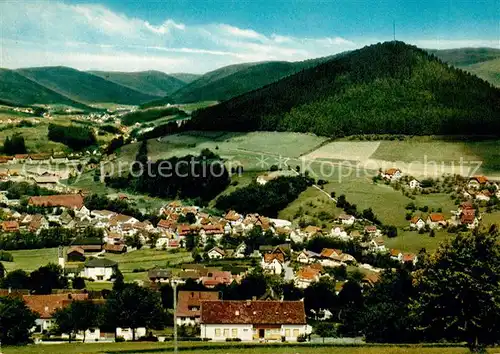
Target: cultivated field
column 345, row 150
column 144, row 259
column 190, row 348
column 30, row 260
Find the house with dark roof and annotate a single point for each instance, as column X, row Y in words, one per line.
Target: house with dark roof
column 253, row 320
column 189, row 306
column 99, row 269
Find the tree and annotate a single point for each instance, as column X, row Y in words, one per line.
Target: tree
column 134, row 241
column 78, row 316
column 391, row 231
column 134, row 306
column 2, row 271
column 78, row 283
column 17, row 279
column 191, row 241
column 385, row 317
column 16, row 320
column 459, row 291
column 46, row 278
column 320, row 296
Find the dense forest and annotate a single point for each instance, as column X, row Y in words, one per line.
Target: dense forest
column 265, row 199
column 200, row 177
column 388, row 88
column 76, row 137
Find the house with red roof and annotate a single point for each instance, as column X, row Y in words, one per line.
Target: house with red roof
column 45, row 305
column 273, row 262
column 478, row 182
column 253, row 320
column 69, row 201
column 392, row 174
column 417, row 222
column 189, row 306
column 10, row 226
column 436, row 220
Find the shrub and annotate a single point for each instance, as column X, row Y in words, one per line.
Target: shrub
column 119, row 339
column 6, row 256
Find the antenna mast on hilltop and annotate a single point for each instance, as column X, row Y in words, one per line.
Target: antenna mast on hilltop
column 394, row 29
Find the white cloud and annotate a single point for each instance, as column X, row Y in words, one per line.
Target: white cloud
column 37, row 33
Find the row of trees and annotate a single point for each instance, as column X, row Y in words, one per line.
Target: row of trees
column 51, row 237
column 199, row 177
column 74, row 136
column 267, row 199
column 14, row 145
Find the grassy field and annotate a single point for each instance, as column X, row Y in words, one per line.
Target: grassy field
column 244, row 148
column 190, row 348
column 308, row 205
column 412, row 241
column 145, row 259
column 30, row 260
column 429, row 149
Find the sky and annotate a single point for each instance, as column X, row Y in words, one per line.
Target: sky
column 197, row 36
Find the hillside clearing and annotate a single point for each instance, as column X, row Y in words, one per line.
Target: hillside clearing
column 30, row 260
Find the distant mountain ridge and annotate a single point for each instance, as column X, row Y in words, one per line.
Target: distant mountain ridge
column 233, row 80
column 18, row 89
column 388, row 88
column 82, row 86
column 152, row 82
column 482, row 62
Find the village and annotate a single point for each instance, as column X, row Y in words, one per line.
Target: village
column 226, row 249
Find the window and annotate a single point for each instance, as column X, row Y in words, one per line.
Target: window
column 287, row 333
column 226, row 332
column 295, row 333
column 234, row 332
column 100, row 277
column 217, row 332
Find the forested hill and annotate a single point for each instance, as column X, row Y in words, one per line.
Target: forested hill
column 15, row 89
column 388, row 88
column 83, row 87
column 230, row 81
column 152, row 82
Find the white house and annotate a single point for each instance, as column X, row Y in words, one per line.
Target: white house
column 216, row 253
column 347, row 219
column 126, row 333
column 417, row 222
column 307, row 257
column 189, row 305
column 99, row 269
column 392, row 174
column 240, row 250
column 414, row 184
column 253, row 320
column 45, row 305
column 273, row 263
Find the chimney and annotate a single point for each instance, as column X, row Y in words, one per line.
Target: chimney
column 254, row 298
column 249, row 302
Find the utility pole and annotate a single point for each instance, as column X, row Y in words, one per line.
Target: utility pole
column 175, row 315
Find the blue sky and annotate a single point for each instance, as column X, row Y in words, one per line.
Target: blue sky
column 201, row 35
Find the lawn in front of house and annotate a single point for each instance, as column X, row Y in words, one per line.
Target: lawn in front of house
column 226, row 348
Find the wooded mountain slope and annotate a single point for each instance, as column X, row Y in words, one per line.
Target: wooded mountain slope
column 231, row 81
column 154, row 83
column 17, row 89
column 83, row 87
column 388, row 88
